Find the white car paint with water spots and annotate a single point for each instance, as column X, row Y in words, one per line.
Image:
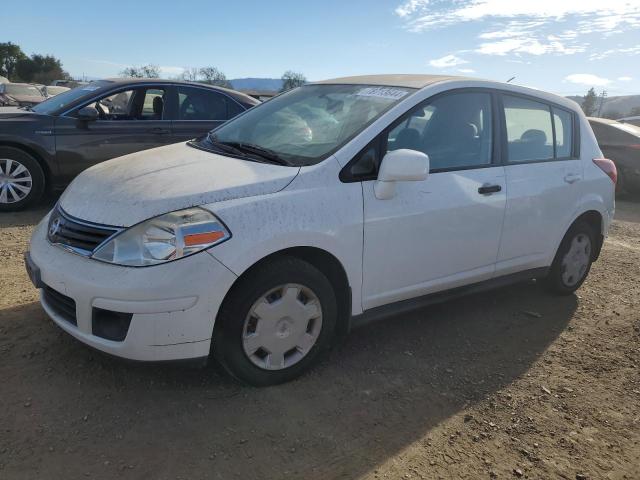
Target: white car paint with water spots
column 392, row 188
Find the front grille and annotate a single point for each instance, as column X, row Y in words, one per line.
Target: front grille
column 60, row 304
column 78, row 235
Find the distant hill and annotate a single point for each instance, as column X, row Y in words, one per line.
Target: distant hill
column 266, row 84
column 621, row 105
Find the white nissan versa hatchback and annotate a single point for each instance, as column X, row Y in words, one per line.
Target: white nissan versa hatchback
column 264, row 241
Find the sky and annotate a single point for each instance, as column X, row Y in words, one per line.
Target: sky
column 562, row 46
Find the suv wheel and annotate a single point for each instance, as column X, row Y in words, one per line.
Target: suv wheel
column 275, row 322
column 573, row 259
column 21, row 179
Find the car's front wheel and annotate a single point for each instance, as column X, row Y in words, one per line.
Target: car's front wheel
column 21, row 179
column 573, row 259
column 275, row 322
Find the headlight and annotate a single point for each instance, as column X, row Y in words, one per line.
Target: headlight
column 162, row 239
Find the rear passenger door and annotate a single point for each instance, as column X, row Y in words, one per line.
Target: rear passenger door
column 200, row 110
column 442, row 232
column 543, row 174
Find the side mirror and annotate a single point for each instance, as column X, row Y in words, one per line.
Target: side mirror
column 87, row 114
column 400, row 166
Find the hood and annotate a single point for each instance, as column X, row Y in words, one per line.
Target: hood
column 133, row 188
column 27, row 99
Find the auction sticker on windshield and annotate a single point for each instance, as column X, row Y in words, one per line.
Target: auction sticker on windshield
column 382, row 92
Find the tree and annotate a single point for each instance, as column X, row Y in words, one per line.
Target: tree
column 40, row 69
column 190, row 74
column 291, row 79
column 612, row 114
column 10, row 55
column 589, row 103
column 213, row 76
column 145, row 71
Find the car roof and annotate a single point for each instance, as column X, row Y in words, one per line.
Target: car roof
column 606, row 121
column 160, row 81
column 393, row 80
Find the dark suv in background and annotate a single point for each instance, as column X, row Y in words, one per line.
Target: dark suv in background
column 47, row 145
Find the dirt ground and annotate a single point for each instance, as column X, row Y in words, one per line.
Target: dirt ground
column 510, row 383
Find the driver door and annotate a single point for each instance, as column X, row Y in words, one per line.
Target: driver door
column 443, row 232
column 130, row 120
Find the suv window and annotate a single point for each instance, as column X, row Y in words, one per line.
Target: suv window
column 529, row 129
column 201, row 104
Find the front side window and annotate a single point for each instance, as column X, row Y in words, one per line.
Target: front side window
column 201, row 104
column 455, row 130
column 529, row 129
column 133, row 104
column 305, row 125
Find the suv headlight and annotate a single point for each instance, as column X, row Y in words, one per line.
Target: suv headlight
column 165, row 238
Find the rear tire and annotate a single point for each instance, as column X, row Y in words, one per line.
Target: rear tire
column 573, row 259
column 22, row 180
column 275, row 322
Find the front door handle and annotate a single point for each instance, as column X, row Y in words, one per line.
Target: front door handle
column 571, row 178
column 160, row 131
column 488, row 189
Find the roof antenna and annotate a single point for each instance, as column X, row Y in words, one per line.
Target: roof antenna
column 512, row 78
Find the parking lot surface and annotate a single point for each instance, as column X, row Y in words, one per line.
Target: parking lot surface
column 509, row 383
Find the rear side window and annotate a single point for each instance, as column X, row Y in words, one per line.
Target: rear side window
column 563, row 123
column 529, row 129
column 201, row 104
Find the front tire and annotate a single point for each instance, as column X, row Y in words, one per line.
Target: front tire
column 22, row 180
column 275, row 322
column 573, row 259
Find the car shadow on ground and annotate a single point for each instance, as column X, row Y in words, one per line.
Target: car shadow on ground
column 383, row 389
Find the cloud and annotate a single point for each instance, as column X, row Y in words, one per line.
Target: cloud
column 625, row 79
column 427, row 14
column 526, row 27
column 466, row 70
column 615, row 51
column 587, row 79
column 447, row 61
column 170, row 71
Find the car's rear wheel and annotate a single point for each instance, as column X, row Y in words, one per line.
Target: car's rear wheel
column 21, row 179
column 275, row 322
column 573, row 260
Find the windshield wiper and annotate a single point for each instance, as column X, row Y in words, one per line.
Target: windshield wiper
column 262, row 152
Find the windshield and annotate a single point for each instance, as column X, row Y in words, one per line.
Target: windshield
column 65, row 98
column 15, row 89
column 56, row 90
column 305, row 125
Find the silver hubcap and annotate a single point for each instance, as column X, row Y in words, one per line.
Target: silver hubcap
column 576, row 261
column 15, row 181
column 282, row 326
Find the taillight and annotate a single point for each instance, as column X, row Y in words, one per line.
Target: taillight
column 608, row 167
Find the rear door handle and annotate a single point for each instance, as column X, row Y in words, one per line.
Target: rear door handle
column 571, row 178
column 160, row 130
column 487, row 189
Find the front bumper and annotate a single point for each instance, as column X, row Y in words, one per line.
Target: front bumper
column 174, row 305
